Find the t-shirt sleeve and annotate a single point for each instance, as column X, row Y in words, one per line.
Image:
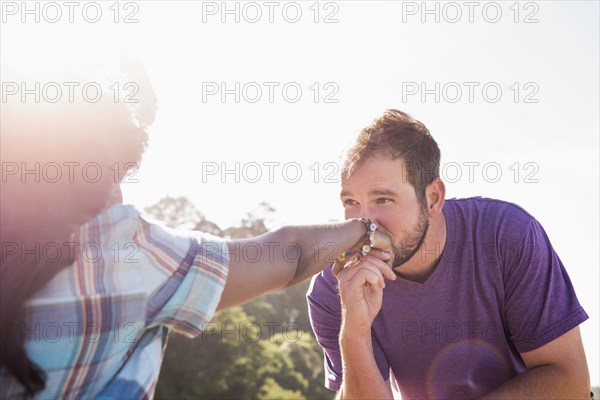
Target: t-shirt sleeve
column 325, row 317
column 192, row 270
column 540, row 302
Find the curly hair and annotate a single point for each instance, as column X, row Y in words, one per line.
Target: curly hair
column 46, row 194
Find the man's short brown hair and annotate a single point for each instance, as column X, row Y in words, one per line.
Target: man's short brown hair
column 397, row 135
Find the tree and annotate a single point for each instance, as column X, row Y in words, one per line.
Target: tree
column 306, row 354
column 228, row 360
column 178, row 212
column 254, row 224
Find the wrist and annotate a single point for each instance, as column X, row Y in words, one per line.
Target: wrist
column 362, row 237
column 354, row 337
column 363, row 224
column 354, row 346
column 356, row 228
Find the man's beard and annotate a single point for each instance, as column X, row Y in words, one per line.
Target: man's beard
column 412, row 243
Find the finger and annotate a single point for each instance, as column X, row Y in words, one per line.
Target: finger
column 381, row 254
column 361, row 277
column 348, row 271
column 340, row 265
column 348, row 276
column 384, row 269
column 382, row 265
column 337, row 267
column 384, row 242
column 367, row 273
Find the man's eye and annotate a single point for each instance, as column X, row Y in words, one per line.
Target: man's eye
column 348, row 202
column 383, row 201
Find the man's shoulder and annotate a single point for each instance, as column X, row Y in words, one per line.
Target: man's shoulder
column 323, row 302
column 488, row 209
column 323, row 285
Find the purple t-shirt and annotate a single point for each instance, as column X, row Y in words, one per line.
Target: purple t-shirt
column 499, row 289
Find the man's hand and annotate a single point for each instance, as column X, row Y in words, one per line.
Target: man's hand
column 361, row 291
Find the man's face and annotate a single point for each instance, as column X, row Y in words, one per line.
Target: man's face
column 379, row 190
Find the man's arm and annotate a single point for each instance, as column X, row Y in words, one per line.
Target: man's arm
column 361, row 293
column 557, row 370
column 539, row 300
column 362, row 379
column 286, row 256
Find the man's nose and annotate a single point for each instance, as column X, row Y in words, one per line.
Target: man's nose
column 367, row 213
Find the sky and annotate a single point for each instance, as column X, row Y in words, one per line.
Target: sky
column 257, row 101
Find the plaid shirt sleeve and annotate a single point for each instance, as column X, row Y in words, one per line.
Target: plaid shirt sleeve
column 187, row 299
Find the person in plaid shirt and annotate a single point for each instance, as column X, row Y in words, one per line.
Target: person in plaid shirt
column 89, row 287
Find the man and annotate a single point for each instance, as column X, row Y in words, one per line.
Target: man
column 481, row 307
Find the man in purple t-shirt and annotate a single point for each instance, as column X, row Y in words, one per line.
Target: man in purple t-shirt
column 481, row 305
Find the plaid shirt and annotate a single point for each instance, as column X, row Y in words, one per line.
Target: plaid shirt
column 100, row 326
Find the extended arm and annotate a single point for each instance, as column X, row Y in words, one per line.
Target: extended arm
column 286, row 256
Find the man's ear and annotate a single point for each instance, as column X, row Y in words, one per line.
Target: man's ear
column 436, row 193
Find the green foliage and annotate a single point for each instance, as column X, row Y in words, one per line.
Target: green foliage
column 284, row 308
column 271, row 390
column 261, row 350
column 307, row 357
column 228, row 360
